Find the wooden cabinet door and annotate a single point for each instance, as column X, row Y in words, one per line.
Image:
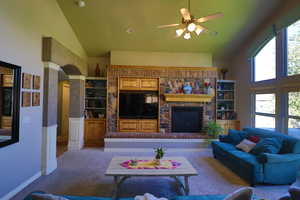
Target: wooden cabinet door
column 94, row 132
column 128, row 125
column 8, row 80
column 130, row 84
column 229, row 124
column 149, row 84
column 148, row 125
column 6, row 122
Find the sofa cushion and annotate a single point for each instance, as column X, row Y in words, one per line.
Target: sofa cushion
column 225, row 146
column 253, row 138
column 240, row 194
column 289, row 144
column 267, row 145
column 235, row 136
column 246, row 145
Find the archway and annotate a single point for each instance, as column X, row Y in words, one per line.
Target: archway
column 54, row 63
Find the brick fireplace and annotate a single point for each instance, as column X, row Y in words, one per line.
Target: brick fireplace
column 169, row 77
column 187, row 119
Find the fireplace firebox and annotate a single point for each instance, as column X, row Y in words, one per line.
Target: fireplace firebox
column 187, row 119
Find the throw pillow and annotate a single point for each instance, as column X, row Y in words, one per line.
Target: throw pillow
column 246, row 145
column 294, row 192
column 235, row 136
column 267, row 145
column 253, row 138
column 224, row 138
column 240, row 194
column 39, row 196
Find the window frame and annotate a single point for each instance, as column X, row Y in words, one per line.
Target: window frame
column 288, row 116
column 275, row 115
column 281, row 85
column 253, row 66
column 285, row 53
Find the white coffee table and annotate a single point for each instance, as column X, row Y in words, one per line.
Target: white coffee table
column 121, row 173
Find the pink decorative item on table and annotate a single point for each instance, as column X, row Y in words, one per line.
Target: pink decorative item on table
column 150, row 164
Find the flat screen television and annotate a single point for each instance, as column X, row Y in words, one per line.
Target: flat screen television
column 138, row 105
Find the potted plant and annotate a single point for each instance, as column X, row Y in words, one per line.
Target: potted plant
column 213, row 129
column 159, row 154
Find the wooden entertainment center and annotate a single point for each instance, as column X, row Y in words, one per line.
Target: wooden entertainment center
column 134, row 84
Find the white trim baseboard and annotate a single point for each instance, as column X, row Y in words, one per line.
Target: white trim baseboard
column 21, row 186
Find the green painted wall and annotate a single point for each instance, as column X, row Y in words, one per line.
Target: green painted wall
column 140, row 58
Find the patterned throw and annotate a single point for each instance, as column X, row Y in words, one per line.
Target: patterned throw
column 150, row 164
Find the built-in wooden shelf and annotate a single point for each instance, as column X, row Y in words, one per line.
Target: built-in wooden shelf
column 188, row 97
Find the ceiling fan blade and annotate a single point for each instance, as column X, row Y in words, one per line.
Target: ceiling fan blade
column 168, row 26
column 185, row 14
column 209, row 17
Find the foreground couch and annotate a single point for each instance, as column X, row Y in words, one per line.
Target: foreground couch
column 267, row 168
column 200, row 197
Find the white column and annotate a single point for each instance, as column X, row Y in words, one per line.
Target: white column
column 49, row 161
column 76, row 120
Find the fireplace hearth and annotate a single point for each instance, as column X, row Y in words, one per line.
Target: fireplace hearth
column 187, row 119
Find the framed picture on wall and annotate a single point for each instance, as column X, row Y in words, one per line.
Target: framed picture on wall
column 26, row 99
column 35, row 99
column 26, row 81
column 36, row 82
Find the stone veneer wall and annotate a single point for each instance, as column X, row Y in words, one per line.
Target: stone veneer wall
column 166, row 74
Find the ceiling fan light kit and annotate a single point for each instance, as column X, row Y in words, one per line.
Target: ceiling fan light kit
column 187, row 35
column 190, row 24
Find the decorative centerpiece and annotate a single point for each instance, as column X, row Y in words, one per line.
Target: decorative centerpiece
column 160, row 152
column 187, row 89
column 134, row 162
column 207, row 87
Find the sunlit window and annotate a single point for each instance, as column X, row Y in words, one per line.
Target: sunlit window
column 265, row 62
column 265, row 111
column 294, row 114
column 293, row 49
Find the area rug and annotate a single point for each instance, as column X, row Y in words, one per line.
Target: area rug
column 82, row 173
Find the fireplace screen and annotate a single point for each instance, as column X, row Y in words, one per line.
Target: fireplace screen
column 187, row 119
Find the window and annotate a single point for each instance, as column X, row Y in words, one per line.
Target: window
column 265, row 62
column 293, row 49
column 294, row 114
column 265, row 111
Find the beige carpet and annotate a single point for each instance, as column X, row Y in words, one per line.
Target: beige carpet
column 82, row 173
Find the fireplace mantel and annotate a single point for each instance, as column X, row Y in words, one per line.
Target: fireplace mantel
column 194, row 98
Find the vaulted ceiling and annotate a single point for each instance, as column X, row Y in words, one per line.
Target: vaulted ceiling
column 101, row 25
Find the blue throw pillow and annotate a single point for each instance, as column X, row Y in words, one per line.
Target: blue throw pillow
column 267, row 145
column 235, row 137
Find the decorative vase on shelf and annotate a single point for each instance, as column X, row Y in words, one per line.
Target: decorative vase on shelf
column 97, row 71
column 187, row 89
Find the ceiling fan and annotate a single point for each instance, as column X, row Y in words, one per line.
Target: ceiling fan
column 191, row 24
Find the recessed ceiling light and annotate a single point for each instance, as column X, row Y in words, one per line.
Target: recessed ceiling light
column 129, row 30
column 80, row 3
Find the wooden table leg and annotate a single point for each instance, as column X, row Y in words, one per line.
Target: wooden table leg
column 186, row 185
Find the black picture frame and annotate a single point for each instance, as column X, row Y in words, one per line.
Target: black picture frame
column 15, row 104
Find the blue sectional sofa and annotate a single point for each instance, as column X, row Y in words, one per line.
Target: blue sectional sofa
column 266, row 168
